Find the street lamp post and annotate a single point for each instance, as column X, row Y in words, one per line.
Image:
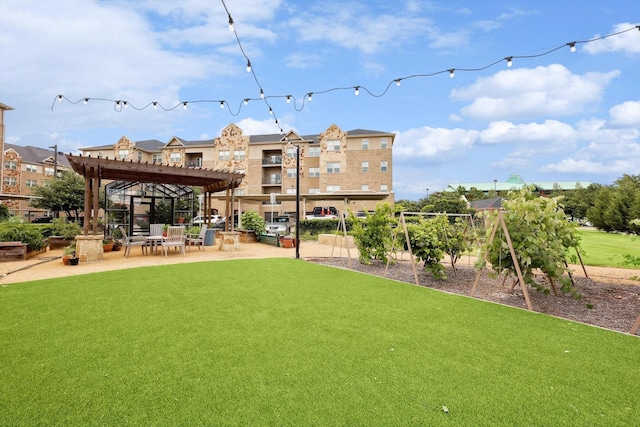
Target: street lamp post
column 297, row 201
column 55, row 160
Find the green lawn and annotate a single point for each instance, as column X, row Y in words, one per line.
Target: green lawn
column 608, row 249
column 290, row 343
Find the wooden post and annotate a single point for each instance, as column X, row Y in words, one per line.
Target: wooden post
column 636, row 326
column 87, row 201
column 96, row 199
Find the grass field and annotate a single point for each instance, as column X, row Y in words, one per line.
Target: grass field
column 285, row 342
column 608, row 249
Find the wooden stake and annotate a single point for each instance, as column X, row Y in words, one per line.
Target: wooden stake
column 635, row 327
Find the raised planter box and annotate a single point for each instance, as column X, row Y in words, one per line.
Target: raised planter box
column 13, row 251
column 59, row 242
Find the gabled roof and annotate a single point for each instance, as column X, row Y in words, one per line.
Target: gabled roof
column 36, row 155
column 357, row 132
column 492, row 203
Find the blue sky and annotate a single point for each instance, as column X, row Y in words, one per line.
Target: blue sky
column 559, row 117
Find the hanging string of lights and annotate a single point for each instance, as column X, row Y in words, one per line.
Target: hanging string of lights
column 299, row 105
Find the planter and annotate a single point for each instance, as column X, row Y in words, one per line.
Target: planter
column 59, row 242
column 117, row 246
column 74, row 261
column 107, row 247
column 247, row 236
column 65, row 259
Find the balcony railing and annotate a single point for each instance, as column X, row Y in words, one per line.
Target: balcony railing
column 272, row 161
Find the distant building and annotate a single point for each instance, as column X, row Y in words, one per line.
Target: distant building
column 22, row 169
column 515, row 182
column 347, row 170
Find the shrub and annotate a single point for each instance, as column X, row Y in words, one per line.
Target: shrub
column 251, row 220
column 14, row 230
column 373, row 234
column 64, row 228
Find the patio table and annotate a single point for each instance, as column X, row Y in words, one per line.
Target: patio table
column 154, row 242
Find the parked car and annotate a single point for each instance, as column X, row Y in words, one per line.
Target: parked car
column 200, row 219
column 323, row 212
column 279, row 225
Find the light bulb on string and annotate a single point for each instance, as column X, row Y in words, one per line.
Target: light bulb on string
column 126, row 105
column 309, row 96
column 509, row 61
column 261, row 93
column 246, row 101
column 451, row 73
column 59, row 98
column 357, row 91
column 398, row 82
column 221, row 104
column 248, row 66
column 288, row 99
column 86, row 101
column 270, row 111
column 572, row 46
column 231, row 28
column 155, row 105
column 184, row 105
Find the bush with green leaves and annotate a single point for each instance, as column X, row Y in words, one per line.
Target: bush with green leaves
column 428, row 242
column 64, row 228
column 373, row 235
column 15, row 230
column 251, row 220
column 541, row 236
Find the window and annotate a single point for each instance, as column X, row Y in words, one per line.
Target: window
column 11, row 165
column 291, row 172
column 384, row 187
column 314, row 172
column 291, row 191
column 156, row 158
column 365, row 143
column 384, row 143
column 365, row 187
column 139, row 156
column 100, row 154
column 333, row 167
column 239, row 191
column 175, row 158
column 333, row 145
column 10, row 180
column 314, row 151
column 384, row 166
column 314, row 191
column 365, row 166
column 32, row 168
column 48, row 170
column 123, row 154
column 31, row 183
column 291, row 152
column 332, row 188
column 223, row 155
column 239, row 154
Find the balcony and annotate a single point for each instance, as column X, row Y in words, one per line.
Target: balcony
column 272, row 161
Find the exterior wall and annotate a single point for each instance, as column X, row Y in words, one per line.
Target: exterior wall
column 267, row 160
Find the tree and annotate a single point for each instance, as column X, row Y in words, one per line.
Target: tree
column 446, row 202
column 62, row 194
column 614, row 207
column 373, row 234
column 4, row 212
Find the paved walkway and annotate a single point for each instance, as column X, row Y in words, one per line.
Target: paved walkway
column 49, row 264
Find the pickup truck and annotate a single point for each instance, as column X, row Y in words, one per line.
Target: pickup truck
column 323, row 212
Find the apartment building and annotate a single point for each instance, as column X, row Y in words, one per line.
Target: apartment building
column 351, row 170
column 22, row 169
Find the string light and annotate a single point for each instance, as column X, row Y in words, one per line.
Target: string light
column 118, row 104
column 357, row 91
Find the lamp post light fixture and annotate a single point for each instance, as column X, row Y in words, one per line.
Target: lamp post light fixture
column 427, row 193
column 297, row 201
column 495, row 186
column 55, row 160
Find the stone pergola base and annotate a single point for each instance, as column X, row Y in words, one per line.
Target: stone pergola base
column 89, row 248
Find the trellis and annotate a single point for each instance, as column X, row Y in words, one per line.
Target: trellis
column 408, row 240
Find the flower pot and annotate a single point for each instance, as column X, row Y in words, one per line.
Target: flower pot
column 65, row 259
column 107, row 247
column 74, row 261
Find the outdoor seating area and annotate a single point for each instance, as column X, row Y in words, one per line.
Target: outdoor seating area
column 160, row 241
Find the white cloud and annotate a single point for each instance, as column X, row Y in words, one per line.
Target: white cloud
column 573, row 166
column 551, row 131
column 303, row 60
column 626, row 114
column 526, row 93
column 434, row 143
column 251, row 126
column 625, row 42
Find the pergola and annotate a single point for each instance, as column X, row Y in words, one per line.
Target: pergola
column 95, row 169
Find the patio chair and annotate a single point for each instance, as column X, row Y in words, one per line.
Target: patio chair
column 175, row 239
column 196, row 239
column 155, row 229
column 128, row 242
